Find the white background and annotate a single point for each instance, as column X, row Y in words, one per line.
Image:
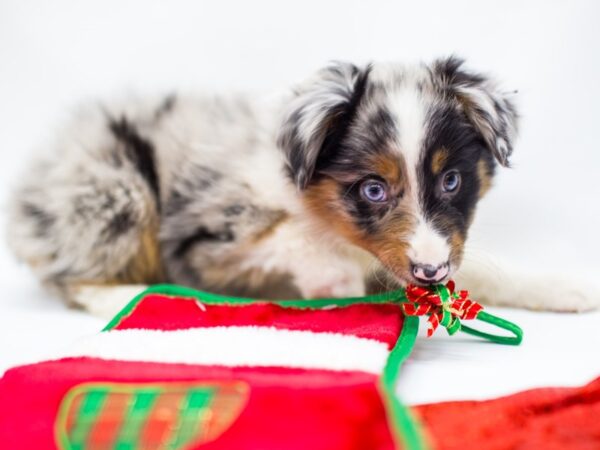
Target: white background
column 544, row 213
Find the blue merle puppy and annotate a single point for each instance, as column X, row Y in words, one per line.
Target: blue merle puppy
column 360, row 179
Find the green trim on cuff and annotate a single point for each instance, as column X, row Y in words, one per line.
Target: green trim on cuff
column 209, row 298
column 407, row 431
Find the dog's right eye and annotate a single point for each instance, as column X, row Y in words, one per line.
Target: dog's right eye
column 450, row 182
column 374, row 191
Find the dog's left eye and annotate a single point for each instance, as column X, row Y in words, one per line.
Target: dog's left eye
column 374, row 191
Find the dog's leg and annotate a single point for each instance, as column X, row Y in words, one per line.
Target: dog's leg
column 87, row 211
column 103, row 300
column 496, row 282
column 319, row 273
column 333, row 281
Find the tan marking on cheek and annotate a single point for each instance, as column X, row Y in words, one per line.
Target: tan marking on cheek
column 323, row 200
column 457, row 243
column 391, row 244
column 438, row 160
column 485, row 179
column 400, row 225
column 393, row 255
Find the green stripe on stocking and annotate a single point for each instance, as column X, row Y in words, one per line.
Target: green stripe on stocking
column 194, row 407
column 91, row 406
column 136, row 418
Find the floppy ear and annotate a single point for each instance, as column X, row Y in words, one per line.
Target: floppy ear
column 491, row 111
column 319, row 111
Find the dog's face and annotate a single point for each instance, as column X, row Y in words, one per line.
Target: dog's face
column 395, row 158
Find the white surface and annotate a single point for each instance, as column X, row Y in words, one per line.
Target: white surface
column 557, row 350
column 544, row 214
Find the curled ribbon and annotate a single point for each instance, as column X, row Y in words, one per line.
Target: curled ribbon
column 444, row 306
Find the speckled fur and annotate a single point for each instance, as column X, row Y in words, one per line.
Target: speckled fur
column 252, row 197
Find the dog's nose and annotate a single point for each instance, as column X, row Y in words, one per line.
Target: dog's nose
column 426, row 273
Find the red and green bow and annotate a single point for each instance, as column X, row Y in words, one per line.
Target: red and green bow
column 443, row 304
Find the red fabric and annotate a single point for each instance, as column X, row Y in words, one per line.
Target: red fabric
column 290, row 409
column 549, row 419
column 381, row 322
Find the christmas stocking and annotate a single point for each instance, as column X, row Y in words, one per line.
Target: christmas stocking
column 183, row 369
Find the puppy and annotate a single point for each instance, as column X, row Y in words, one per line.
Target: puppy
column 363, row 178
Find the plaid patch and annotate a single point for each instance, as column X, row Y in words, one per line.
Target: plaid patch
column 148, row 416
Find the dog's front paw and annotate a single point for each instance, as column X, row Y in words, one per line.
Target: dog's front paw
column 104, row 301
column 343, row 288
column 561, row 294
column 332, row 283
